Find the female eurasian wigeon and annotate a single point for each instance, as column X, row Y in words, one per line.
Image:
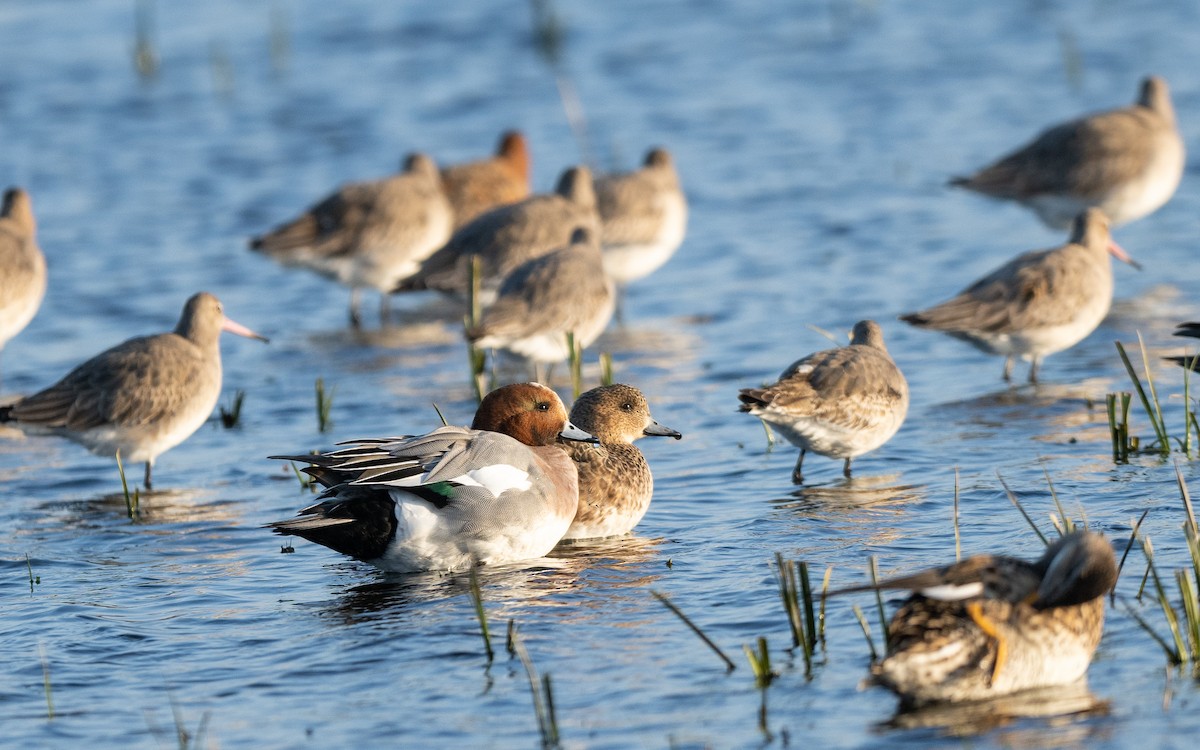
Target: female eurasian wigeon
column 479, row 186
column 1038, row 303
column 1126, row 162
column 643, row 217
column 368, row 235
column 991, row 625
column 544, row 299
column 839, row 403
column 500, row 491
column 142, row 397
column 22, row 266
column 508, row 236
column 615, row 484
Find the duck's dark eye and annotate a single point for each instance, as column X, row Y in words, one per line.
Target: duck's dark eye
column 626, row 406
column 543, row 406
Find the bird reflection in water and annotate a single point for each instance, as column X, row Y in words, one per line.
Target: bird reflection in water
column 1065, row 718
column 581, row 581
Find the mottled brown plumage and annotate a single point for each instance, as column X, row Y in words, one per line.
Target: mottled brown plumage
column 479, row 186
column 615, row 483
column 141, row 397
column 1038, row 303
column 1126, row 161
column 992, row 625
column 368, row 235
column 643, row 217
column 508, row 236
column 839, row 403
column 546, row 298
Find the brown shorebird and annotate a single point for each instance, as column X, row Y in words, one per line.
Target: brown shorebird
column 546, row 298
column 1126, row 162
column 840, row 403
column 453, row 498
column 615, row 484
column 139, row 398
column 508, row 236
column 1038, row 303
column 22, row 266
column 368, row 235
column 643, row 217
column 479, row 186
column 992, row 625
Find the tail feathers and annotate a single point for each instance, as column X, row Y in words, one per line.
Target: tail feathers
column 358, row 522
column 299, row 233
column 916, row 319
column 414, row 283
column 1192, row 363
column 298, row 526
column 1191, row 330
column 752, row 398
column 1004, row 179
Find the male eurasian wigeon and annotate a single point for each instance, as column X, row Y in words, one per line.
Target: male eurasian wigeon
column 840, row 403
column 501, row 491
column 508, row 236
column 546, row 298
column 615, row 484
column 643, row 217
column 22, row 266
column 142, row 397
column 368, row 235
column 1038, row 303
column 1126, row 162
column 992, row 625
column 479, row 186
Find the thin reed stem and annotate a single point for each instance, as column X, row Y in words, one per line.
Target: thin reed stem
column 1121, row 566
column 441, row 417
column 883, row 623
column 132, row 501
column 477, row 600
column 824, row 600
column 1165, row 603
column 1154, row 413
column 729, row 665
column 1013, row 499
column 957, row 537
column 866, row 629
column 606, row 369
column 543, row 699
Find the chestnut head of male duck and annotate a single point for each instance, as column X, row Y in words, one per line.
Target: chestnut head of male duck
column 500, row 491
column 529, row 412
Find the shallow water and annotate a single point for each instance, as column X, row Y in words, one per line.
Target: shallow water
column 813, row 140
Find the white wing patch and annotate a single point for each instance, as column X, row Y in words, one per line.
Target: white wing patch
column 496, row 478
column 948, row 592
column 415, row 518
